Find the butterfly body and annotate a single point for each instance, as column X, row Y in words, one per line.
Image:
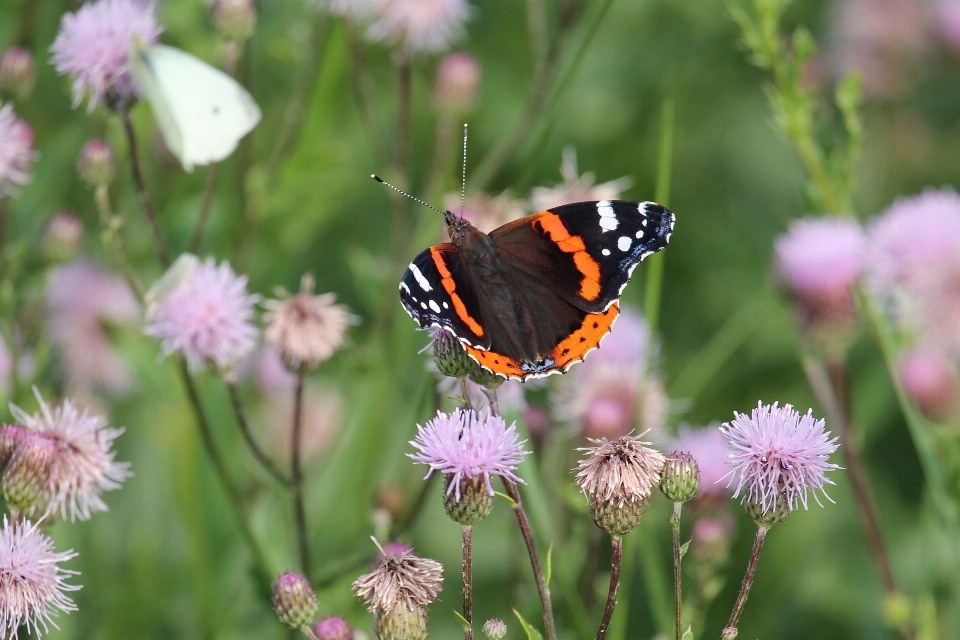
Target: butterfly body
column 534, row 296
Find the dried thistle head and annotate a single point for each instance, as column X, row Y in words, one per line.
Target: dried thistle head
column 404, row 578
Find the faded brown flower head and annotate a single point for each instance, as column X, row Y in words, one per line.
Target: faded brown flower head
column 306, row 329
column 620, row 471
column 402, row 577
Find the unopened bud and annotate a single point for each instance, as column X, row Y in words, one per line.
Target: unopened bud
column 681, row 477
column 62, row 237
column 16, row 72
column 471, row 504
column 929, row 381
column 235, row 20
column 97, row 164
column 405, row 621
column 772, row 515
column 451, row 358
column 10, row 436
column 729, row 633
column 617, row 518
column 28, row 470
column 333, row 628
column 484, row 378
column 494, row 629
column 294, row 601
column 457, row 79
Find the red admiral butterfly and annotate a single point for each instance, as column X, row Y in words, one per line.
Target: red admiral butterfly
column 534, row 296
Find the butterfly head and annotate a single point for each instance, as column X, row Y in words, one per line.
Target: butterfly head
column 458, row 228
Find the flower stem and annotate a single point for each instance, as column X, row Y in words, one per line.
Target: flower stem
column 258, row 453
column 654, row 283
column 110, row 226
column 466, row 395
column 615, row 562
column 295, row 465
column 468, row 581
column 677, row 599
column 747, row 583
column 527, row 533
column 208, row 191
column 143, row 194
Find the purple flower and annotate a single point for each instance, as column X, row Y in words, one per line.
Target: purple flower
column 83, row 465
column 821, row 258
column 418, row 25
column 777, row 451
column 456, row 84
column 947, row 14
column 206, row 317
column 468, row 445
column 332, row 628
column 929, row 380
column 16, row 152
column 94, row 43
column 709, row 448
column 32, row 587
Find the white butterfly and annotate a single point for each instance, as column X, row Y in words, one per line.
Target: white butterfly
column 201, row 111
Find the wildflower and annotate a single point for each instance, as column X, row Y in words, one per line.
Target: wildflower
column 93, row 45
column 62, row 237
column 778, row 456
column 494, row 629
column 485, row 212
column 929, row 381
column 681, row 477
column 333, row 628
column 10, row 436
column 16, row 72
column 27, row 473
column 451, row 358
column 397, row 592
column 306, row 329
column 418, row 25
column 456, row 85
column 576, row 187
column 83, row 300
column 709, row 448
column 617, row 478
column 710, row 539
column 947, row 22
column 32, row 583
column 205, row 317
column 97, row 163
column 16, row 152
column 235, row 20
column 83, row 465
column 294, row 601
column 392, row 548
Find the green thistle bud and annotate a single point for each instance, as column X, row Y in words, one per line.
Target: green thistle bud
column 97, row 164
column 16, row 72
column 485, row 378
column 452, row 359
column 770, row 517
column 616, row 517
column 27, row 472
column 294, row 601
column 235, row 20
column 681, row 477
column 62, row 237
column 474, row 503
column 405, row 621
column 494, row 629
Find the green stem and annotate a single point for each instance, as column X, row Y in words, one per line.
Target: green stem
column 654, row 284
column 730, row 631
column 297, row 477
column 143, row 194
column 615, row 563
column 677, row 592
column 468, row 581
column 255, row 449
column 110, row 226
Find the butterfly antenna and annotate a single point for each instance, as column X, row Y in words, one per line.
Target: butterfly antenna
column 404, row 193
column 463, row 172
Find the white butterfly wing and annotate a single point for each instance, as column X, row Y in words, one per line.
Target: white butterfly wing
column 201, row 111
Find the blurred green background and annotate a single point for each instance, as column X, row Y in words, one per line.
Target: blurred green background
column 167, row 560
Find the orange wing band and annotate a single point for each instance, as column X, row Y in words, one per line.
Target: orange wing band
column 586, row 265
column 451, row 288
column 595, row 326
column 507, row 367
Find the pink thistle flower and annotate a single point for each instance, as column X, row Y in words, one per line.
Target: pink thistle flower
column 418, row 25
column 333, row 628
column 708, row 447
column 467, row 445
column 929, row 380
column 32, row 583
column 576, row 187
column 206, row 317
column 456, row 84
column 776, row 451
column 16, row 152
column 821, row 258
column 84, row 464
column 83, row 300
column 947, row 22
column 94, row 43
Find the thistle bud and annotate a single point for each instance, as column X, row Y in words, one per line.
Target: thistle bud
column 457, row 79
column 494, row 629
column 929, row 381
column 452, row 359
column 729, row 633
column 10, row 436
column 333, row 628
column 294, row 601
column 473, row 503
column 485, row 378
column 28, row 470
column 681, row 477
column 16, row 72
column 61, row 238
column 774, row 515
column 235, row 20
column 406, row 621
column 97, row 164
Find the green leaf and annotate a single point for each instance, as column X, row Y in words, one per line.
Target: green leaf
column 532, row 633
column 466, row 625
column 684, row 548
column 549, row 570
column 513, row 504
column 804, row 46
column 688, row 634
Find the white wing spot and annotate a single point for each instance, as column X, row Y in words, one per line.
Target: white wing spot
column 639, row 234
column 423, row 305
column 623, row 243
column 423, row 282
column 404, row 287
column 446, row 306
column 605, row 252
column 608, row 219
column 434, row 306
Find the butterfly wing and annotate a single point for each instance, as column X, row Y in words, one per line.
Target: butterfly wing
column 586, row 251
column 201, row 111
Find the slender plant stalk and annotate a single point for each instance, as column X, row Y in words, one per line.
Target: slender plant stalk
column 747, row 582
column 209, row 189
column 468, row 581
column 402, row 144
column 467, row 404
column 110, row 226
column 255, row 449
column 295, row 465
column 677, row 592
column 363, row 90
column 654, row 283
column 143, row 194
column 615, row 562
column 307, row 631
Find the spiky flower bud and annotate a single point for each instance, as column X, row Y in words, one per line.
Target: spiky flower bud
column 27, row 473
column 406, row 621
column 772, row 515
column 333, row 628
column 16, row 72
column 397, row 592
column 62, row 237
column 494, row 629
column 97, row 164
column 681, row 477
column 473, row 503
column 10, row 435
column 294, row 601
column 235, row 20
column 451, row 358
column 485, row 378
